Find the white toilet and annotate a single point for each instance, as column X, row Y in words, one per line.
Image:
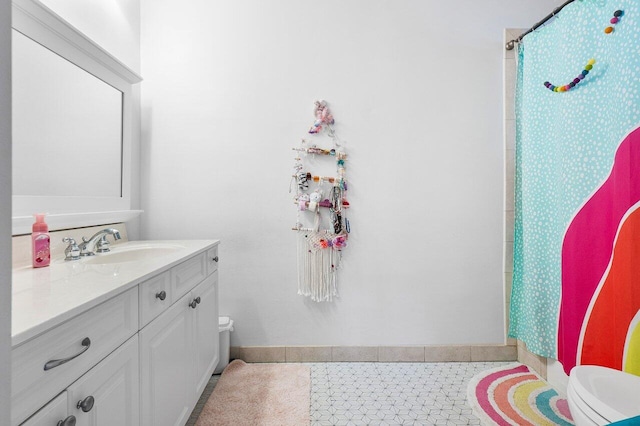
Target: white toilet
column 600, row 395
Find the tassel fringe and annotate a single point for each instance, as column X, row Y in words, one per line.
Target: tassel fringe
column 317, row 270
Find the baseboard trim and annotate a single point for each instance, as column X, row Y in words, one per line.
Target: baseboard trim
column 458, row 353
column 533, row 361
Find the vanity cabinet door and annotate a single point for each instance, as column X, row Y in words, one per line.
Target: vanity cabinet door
column 108, row 394
column 205, row 317
column 165, row 364
column 51, row 414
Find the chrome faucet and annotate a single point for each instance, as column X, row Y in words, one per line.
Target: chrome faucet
column 98, row 243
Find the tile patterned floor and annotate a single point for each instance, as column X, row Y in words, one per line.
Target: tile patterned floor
column 393, row 393
column 354, row 393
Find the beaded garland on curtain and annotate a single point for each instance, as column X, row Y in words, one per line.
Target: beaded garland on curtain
column 320, row 200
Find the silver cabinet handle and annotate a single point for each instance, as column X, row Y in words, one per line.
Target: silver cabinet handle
column 215, row 259
column 86, row 404
column 193, row 304
column 69, row 421
column 161, row 295
column 86, row 342
column 198, row 300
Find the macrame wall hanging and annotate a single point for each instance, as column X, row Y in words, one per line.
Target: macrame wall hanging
column 321, row 204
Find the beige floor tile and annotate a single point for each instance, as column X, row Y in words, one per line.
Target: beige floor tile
column 401, row 353
column 308, row 353
column 259, row 353
column 354, row 353
column 494, row 353
column 447, row 353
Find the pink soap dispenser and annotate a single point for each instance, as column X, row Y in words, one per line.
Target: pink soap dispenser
column 40, row 242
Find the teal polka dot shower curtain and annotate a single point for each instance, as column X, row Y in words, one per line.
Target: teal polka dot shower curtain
column 578, row 186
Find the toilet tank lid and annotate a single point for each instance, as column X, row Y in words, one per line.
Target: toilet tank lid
column 614, row 394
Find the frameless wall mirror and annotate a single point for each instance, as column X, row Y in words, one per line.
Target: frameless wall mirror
column 72, row 112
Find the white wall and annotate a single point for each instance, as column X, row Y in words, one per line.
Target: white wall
column 114, row 25
column 5, row 211
column 416, row 90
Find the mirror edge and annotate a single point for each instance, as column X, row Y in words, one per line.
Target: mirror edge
column 21, row 225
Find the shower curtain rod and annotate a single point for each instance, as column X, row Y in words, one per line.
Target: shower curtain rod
column 511, row 44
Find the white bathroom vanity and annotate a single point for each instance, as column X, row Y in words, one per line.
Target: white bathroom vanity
column 124, row 338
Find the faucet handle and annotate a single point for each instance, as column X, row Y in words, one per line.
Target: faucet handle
column 72, row 252
column 103, row 245
column 84, row 250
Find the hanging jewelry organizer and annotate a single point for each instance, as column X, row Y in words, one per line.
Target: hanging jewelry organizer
column 321, row 204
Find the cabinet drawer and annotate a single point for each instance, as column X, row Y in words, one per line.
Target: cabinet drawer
column 151, row 297
column 106, row 326
column 212, row 260
column 187, row 275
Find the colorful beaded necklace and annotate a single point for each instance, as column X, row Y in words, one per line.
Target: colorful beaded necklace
column 571, row 85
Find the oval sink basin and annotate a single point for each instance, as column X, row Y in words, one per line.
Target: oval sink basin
column 137, row 253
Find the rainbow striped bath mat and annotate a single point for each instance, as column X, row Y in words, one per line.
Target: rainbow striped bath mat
column 515, row 395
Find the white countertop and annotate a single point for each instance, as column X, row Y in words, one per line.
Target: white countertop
column 46, row 297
